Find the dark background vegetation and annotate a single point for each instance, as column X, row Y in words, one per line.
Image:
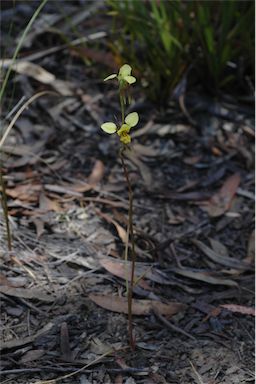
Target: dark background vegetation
column 207, row 44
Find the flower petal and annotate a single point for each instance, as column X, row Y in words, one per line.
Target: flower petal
column 132, row 119
column 109, row 127
column 125, row 70
column 110, row 77
column 130, row 79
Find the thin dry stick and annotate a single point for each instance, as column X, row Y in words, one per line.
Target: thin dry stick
column 130, row 290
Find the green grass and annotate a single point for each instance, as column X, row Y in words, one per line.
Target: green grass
column 225, row 33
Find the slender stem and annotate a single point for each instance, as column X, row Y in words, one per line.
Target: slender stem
column 121, row 97
column 130, row 227
column 130, row 290
column 5, row 211
column 126, row 257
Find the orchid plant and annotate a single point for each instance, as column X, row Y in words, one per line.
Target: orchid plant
column 125, row 80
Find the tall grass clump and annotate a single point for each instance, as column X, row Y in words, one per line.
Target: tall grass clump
column 162, row 38
column 223, row 33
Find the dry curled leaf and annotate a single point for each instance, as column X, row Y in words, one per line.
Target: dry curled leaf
column 97, row 173
column 30, row 69
column 120, row 230
column 239, row 308
column 122, row 269
column 14, row 343
column 218, row 257
column 220, row 202
column 32, row 355
column 143, row 169
column 25, row 192
column 39, row 224
column 5, row 281
column 31, row 293
column 144, row 151
column 250, row 249
column 207, row 277
column 46, row 204
column 139, row 307
column 14, row 282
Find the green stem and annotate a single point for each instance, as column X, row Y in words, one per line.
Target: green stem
column 130, row 290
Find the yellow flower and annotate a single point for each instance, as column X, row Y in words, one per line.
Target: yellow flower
column 124, row 75
column 123, row 134
column 130, row 121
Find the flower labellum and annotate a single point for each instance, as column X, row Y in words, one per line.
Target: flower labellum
column 124, row 75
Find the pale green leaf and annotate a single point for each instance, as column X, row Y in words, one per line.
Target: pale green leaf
column 109, row 127
column 132, row 119
column 130, row 79
column 110, row 77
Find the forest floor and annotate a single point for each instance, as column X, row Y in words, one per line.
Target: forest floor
column 63, row 282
